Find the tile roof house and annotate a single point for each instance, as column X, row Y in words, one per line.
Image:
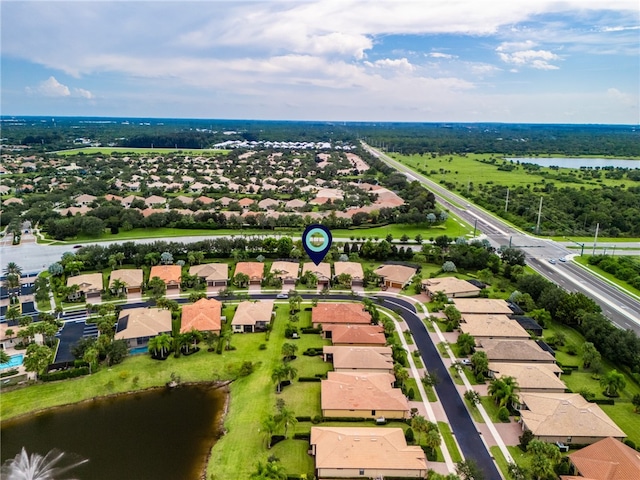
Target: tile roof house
column 252, row 316
column 395, row 276
column 155, row 200
column 482, row 305
column 514, row 351
column 254, row 270
column 326, row 313
column 85, row 199
column 366, row 395
column 344, row 452
column 362, row 359
column 286, row 271
column 131, row 277
column 361, row 335
column 451, row 286
column 607, row 459
column 350, row 268
column 531, row 377
column 138, row 325
column 204, row 316
column 322, row 271
column 169, row 274
column 566, row 418
column 90, row 286
column 295, row 204
column 246, row 202
column 492, row 326
column 215, row 274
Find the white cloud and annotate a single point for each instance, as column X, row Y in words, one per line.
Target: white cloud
column 442, row 55
column 399, row 64
column 522, row 54
column 81, row 92
column 50, row 88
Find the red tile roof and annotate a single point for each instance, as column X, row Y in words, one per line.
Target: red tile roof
column 204, row 315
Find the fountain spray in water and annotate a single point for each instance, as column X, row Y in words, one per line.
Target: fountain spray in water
column 36, row 467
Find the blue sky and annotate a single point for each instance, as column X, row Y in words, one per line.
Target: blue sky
column 544, row 61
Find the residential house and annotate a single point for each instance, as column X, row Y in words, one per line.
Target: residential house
column 252, row 316
column 205, row 200
column 287, row 272
column 531, row 377
column 326, row 313
column 204, row 316
column 254, row 270
column 10, row 341
column 346, row 452
column 215, row 274
column 245, row 203
column 89, row 286
column 295, row 204
column 566, row 418
column 154, row 200
column 452, row 287
column 395, row 276
column 607, row 459
column 354, row 269
column 169, row 274
column 361, row 335
column 365, row 395
column 482, row 306
column 129, row 199
column 138, row 325
column 268, row 204
column 322, row 271
column 492, row 326
column 529, row 324
column 362, row 359
column 85, row 199
column 132, row 279
column 514, row 351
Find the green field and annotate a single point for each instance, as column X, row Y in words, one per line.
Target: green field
column 468, row 169
column 584, row 262
column 154, row 151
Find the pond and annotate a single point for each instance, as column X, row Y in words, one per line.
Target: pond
column 157, row 434
column 565, row 162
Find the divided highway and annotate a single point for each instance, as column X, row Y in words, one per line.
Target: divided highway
column 621, row 309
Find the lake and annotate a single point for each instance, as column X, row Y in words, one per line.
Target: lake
column 565, row 162
column 157, row 434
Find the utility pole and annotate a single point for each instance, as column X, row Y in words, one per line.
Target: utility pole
column 595, row 240
column 539, row 215
column 475, row 224
column 506, row 204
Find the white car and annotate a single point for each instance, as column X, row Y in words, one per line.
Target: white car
column 562, row 259
column 282, row 295
column 552, row 261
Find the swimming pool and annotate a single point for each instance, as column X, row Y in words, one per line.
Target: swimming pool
column 14, row 361
column 138, row 350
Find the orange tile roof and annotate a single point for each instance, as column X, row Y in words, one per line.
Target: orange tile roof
column 167, row 273
column 357, row 335
column 204, row 315
column 608, row 459
column 340, row 313
column 253, row 269
column 361, row 391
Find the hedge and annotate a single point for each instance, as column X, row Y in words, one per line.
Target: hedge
column 311, row 330
column 302, row 436
column 309, row 379
column 9, row 373
column 604, row 401
column 64, row 374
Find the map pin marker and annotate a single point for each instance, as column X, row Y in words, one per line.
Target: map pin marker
column 316, row 241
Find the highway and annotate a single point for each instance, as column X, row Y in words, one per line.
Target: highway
column 621, row 309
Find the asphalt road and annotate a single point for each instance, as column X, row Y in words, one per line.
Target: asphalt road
column 621, row 309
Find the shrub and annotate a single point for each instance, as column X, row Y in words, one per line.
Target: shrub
column 317, row 419
column 64, row 374
column 9, row 373
column 503, row 414
column 572, row 349
column 411, row 394
column 309, row 379
column 630, row 443
column 409, row 435
column 262, row 346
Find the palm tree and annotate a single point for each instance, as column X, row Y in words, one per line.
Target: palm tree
column 13, row 313
column 289, row 351
column 419, row 425
column 503, row 391
column 401, row 374
column 612, row 382
column 290, row 371
column 13, row 268
column 4, row 357
column 160, row 344
column 278, row 375
column 271, row 470
column 286, row 418
column 12, row 283
column 157, row 286
column 90, row 356
column 118, row 286
column 433, row 438
column 268, row 427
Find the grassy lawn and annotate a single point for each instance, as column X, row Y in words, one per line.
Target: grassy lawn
column 496, row 453
column 492, row 409
column 293, row 454
column 622, row 413
column 473, row 410
column 449, row 441
column 411, row 383
column 303, row 398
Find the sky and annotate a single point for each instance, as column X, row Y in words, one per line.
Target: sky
column 513, row 61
